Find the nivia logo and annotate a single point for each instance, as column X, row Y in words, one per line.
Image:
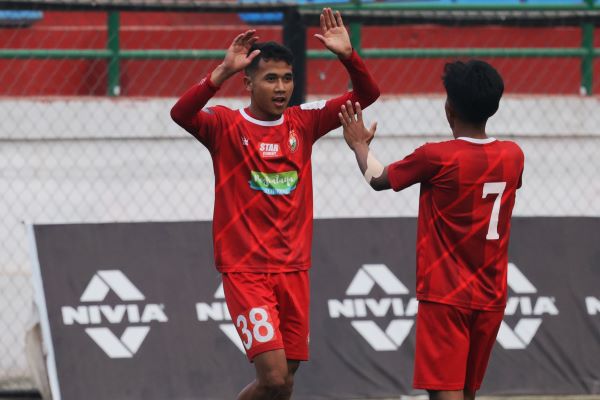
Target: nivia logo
column 218, row 311
column 127, row 345
column 592, row 304
column 360, row 304
column 531, row 308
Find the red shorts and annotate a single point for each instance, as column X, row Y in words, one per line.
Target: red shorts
column 453, row 346
column 270, row 311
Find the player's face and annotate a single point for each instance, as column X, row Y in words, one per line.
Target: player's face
column 271, row 87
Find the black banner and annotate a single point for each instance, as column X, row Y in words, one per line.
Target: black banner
column 137, row 311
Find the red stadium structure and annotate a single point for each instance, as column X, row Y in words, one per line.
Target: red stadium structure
column 150, row 78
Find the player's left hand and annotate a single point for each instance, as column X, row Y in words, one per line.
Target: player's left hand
column 335, row 36
column 355, row 132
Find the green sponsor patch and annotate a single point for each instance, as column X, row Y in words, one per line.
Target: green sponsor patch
column 274, row 183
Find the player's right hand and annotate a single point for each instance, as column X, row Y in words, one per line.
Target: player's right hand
column 237, row 57
column 355, row 131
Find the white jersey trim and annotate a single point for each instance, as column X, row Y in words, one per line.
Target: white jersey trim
column 259, row 122
column 477, row 141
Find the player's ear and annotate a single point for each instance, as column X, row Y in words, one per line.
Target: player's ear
column 450, row 114
column 248, row 82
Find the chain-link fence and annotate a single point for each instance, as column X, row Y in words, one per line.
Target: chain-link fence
column 71, row 154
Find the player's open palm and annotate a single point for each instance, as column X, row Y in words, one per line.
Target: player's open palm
column 237, row 57
column 334, row 35
column 355, row 131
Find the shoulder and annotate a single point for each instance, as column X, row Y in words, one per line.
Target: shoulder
column 313, row 105
column 306, row 108
column 434, row 149
column 305, row 114
column 223, row 114
column 512, row 147
column 218, row 109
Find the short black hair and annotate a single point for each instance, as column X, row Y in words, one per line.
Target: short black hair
column 269, row 51
column 474, row 89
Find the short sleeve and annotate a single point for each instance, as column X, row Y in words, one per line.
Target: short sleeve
column 414, row 168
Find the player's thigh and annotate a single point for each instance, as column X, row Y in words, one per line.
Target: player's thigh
column 484, row 330
column 442, row 347
column 293, row 295
column 253, row 307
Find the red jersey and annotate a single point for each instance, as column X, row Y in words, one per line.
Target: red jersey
column 263, row 178
column 467, row 195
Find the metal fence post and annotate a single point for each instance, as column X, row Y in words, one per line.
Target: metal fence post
column 587, row 61
column 294, row 37
column 112, row 44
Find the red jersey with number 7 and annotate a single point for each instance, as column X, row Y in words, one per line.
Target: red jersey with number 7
column 468, row 189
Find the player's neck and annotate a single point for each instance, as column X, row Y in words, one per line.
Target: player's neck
column 259, row 114
column 464, row 129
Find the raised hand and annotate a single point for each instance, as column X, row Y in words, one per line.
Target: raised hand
column 237, row 57
column 355, row 131
column 334, row 35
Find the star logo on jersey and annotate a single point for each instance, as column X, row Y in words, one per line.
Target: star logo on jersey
column 128, row 343
column 529, row 307
column 364, row 309
column 269, row 150
column 293, row 141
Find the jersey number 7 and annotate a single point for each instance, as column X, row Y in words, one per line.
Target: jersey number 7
column 494, row 188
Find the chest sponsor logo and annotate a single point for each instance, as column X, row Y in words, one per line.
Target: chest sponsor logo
column 269, row 150
column 274, row 183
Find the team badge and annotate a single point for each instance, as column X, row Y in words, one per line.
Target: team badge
column 244, row 140
column 293, row 141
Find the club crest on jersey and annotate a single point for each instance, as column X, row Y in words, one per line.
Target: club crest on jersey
column 269, row 150
column 244, row 140
column 293, row 141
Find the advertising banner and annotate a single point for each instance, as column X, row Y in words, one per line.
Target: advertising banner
column 137, row 311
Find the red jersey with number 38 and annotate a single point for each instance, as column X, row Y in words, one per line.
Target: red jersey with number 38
column 467, row 196
column 263, row 173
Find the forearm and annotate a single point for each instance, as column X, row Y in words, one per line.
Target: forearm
column 361, row 151
column 372, row 169
column 364, row 87
column 220, row 74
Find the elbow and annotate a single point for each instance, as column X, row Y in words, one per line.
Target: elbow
column 379, row 185
column 180, row 119
column 176, row 115
column 376, row 93
column 371, row 96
